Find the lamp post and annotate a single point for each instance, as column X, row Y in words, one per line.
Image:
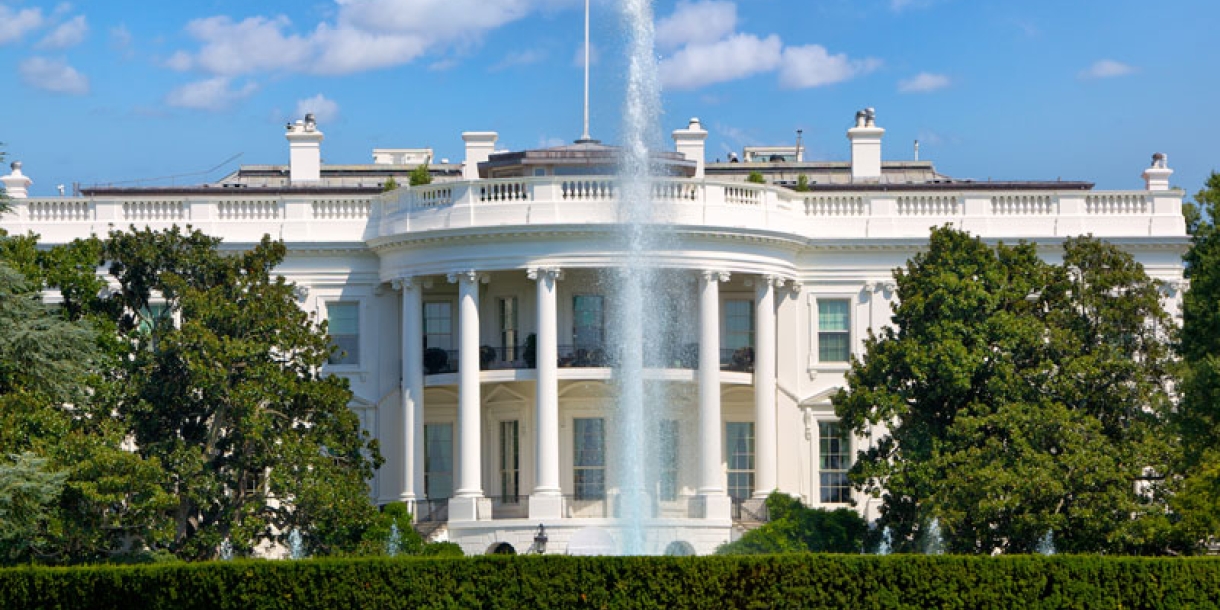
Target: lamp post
column 540, row 540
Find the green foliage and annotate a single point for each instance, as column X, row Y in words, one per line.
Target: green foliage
column 226, row 392
column 795, row 528
column 1198, row 415
column 802, row 183
column 1020, row 397
column 777, row 581
column 420, row 176
column 389, row 184
column 756, row 178
column 27, row 490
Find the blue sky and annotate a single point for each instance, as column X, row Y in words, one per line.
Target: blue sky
column 107, row 92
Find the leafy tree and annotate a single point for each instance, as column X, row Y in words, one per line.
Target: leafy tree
column 1198, row 418
column 1017, row 398
column 756, row 178
column 389, row 184
column 223, row 386
column 420, row 176
column 795, row 528
column 28, row 490
column 802, row 183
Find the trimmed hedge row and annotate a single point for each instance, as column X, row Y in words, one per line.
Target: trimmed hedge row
column 776, row 581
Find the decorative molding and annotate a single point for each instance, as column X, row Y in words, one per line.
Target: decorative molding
column 301, row 292
column 404, row 283
column 884, row 286
column 711, row 275
column 468, row 275
column 1174, row 288
column 538, row 273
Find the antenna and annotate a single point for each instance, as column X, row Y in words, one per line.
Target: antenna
column 916, row 150
column 584, row 136
column 798, row 145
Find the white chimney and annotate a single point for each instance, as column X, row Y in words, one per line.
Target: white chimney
column 691, row 142
column 16, row 184
column 479, row 146
column 865, row 146
column 1156, row 177
column 304, row 151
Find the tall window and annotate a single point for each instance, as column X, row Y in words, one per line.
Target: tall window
column 834, row 333
column 343, row 324
column 739, row 441
column 588, row 316
column 835, row 459
column 507, row 307
column 510, row 458
column 669, row 460
column 438, row 325
column 589, row 465
column 438, row 460
column 738, row 324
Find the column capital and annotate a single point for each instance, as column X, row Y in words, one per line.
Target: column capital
column 539, row 273
column 467, row 275
column 795, row 286
column 405, row 283
column 715, row 275
column 300, row 292
column 886, row 286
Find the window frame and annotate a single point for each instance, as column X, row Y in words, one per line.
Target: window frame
column 578, row 489
column 354, row 358
column 751, row 455
column 842, row 493
column 815, row 331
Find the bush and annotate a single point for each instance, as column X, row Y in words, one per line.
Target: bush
column 794, row 528
column 756, row 178
column 777, row 581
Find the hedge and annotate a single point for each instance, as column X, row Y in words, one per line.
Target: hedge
column 776, row 581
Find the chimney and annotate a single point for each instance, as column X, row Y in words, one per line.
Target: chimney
column 304, row 151
column 479, row 146
column 691, row 142
column 1156, row 177
column 865, row 147
column 16, row 184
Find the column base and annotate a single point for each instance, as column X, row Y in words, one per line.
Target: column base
column 716, row 507
column 470, row 508
column 546, row 507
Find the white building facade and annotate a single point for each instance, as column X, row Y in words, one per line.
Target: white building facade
column 472, row 313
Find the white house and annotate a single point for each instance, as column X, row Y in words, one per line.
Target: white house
column 474, row 315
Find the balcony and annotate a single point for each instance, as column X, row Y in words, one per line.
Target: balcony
column 682, row 357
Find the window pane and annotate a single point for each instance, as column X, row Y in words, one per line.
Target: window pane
column 587, row 316
column 739, row 439
column 738, row 324
column 589, row 472
column 834, row 347
column 509, row 461
column 343, row 325
column 438, row 460
column 833, row 315
column 834, row 460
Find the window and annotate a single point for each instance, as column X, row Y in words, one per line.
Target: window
column 737, row 341
column 510, row 458
column 343, row 324
column 150, row 316
column 739, row 444
column 438, row 461
column 669, row 460
column 589, row 463
column 835, row 459
column 438, row 325
column 507, row 307
column 834, row 334
column 588, row 316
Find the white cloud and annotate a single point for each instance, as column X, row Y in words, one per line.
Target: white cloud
column 701, row 22
column 738, row 56
column 1107, row 68
column 120, row 40
column 15, row 24
column 324, row 110
column 364, row 35
column 54, row 75
column 519, row 58
column 210, row 94
column 924, row 82
column 812, row 66
column 68, row 34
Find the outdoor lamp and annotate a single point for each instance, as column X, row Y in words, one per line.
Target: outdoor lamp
column 540, row 540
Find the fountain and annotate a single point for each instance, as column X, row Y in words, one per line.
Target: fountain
column 1046, row 544
column 393, row 544
column 637, row 327
column 886, row 546
column 933, row 542
column 296, row 545
column 226, row 550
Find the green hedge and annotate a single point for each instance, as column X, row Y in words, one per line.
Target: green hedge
column 777, row 581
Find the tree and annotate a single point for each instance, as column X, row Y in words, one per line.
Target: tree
column 420, row 176
column 802, row 183
column 223, row 386
column 1012, row 398
column 389, row 184
column 756, row 178
column 1198, row 416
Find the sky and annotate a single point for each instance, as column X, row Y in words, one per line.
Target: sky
column 133, row 93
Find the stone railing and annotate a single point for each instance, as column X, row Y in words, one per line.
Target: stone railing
column 591, row 201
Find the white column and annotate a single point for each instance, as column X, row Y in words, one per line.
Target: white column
column 711, row 475
column 546, row 501
column 765, row 433
column 464, row 505
column 412, row 451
